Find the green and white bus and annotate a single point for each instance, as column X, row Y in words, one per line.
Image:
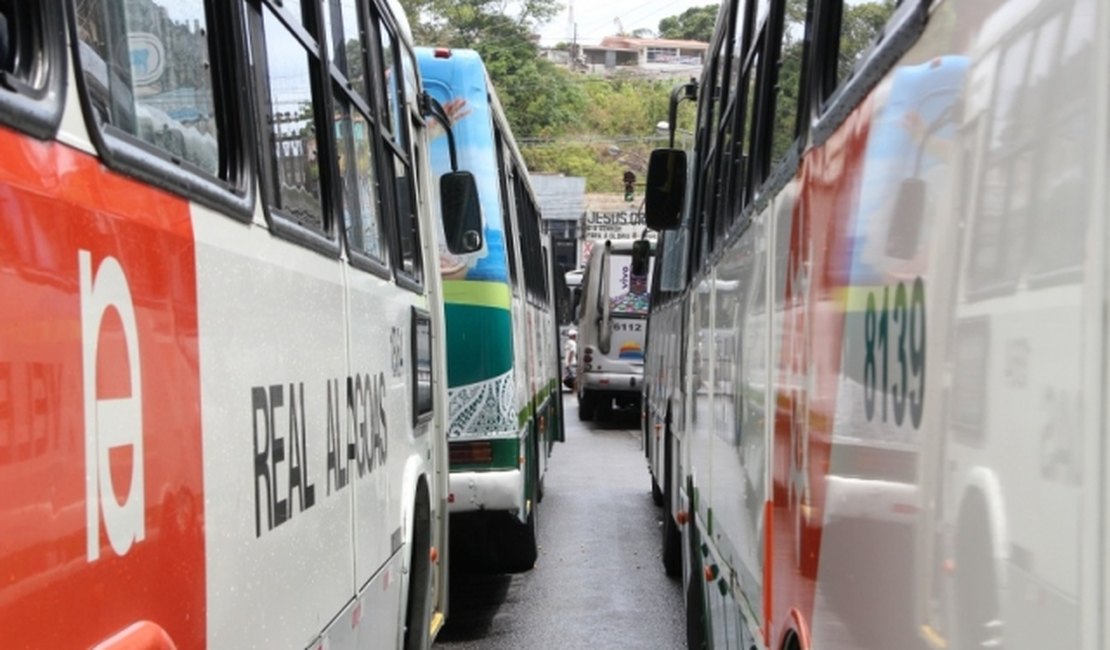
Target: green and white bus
column 502, row 339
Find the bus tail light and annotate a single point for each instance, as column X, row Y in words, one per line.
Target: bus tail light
column 471, row 453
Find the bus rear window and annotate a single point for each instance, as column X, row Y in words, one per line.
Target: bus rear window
column 628, row 291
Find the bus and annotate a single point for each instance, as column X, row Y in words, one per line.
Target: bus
column 222, row 397
column 885, row 267
column 612, row 326
column 503, row 355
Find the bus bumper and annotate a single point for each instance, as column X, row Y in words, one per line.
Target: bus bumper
column 612, row 382
column 489, row 490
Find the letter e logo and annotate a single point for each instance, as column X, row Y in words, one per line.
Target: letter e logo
column 110, row 423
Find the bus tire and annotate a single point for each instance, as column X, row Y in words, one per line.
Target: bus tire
column 695, row 612
column 672, row 539
column 978, row 620
column 519, row 549
column 587, row 402
column 656, row 493
column 603, row 408
column 417, row 614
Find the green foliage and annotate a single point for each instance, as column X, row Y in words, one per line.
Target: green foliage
column 695, row 24
column 564, row 122
column 603, row 171
column 858, row 29
column 613, row 133
column 538, row 98
column 466, row 23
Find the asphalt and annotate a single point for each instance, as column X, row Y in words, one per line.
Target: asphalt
column 599, row 582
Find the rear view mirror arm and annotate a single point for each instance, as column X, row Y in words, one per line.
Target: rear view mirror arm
column 688, row 90
column 431, row 107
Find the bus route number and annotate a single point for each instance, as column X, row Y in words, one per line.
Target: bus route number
column 637, row 326
column 894, row 357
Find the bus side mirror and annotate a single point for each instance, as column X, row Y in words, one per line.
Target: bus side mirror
column 461, row 212
column 666, row 189
column 641, row 250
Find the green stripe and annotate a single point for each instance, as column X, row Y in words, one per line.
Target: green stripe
column 479, row 344
column 475, row 293
column 526, row 413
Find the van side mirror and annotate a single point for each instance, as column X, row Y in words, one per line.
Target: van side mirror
column 666, row 189
column 461, row 212
column 641, row 250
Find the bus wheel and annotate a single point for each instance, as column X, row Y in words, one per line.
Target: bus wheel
column 587, row 402
column 518, row 544
column 978, row 624
column 603, row 408
column 672, row 539
column 656, row 493
column 695, row 613
column 417, row 615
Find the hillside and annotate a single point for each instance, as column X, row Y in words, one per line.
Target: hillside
column 611, row 129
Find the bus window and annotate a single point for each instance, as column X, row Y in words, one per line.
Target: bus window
column 395, row 118
column 32, row 74
column 162, row 92
column 295, row 175
column 860, row 26
column 358, row 172
column 342, row 34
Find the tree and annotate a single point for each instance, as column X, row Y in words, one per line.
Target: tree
column 466, row 23
column 694, row 24
column 538, row 98
column 862, row 23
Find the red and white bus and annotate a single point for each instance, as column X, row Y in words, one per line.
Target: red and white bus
column 222, row 400
column 877, row 360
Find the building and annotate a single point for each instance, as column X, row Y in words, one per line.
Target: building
column 562, row 203
column 648, row 57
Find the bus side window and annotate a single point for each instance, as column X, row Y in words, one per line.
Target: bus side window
column 356, row 157
column 7, row 27
column 291, row 143
column 399, row 157
column 161, row 92
column 32, row 65
column 503, row 181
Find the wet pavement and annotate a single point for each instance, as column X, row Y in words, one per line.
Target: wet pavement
column 599, row 582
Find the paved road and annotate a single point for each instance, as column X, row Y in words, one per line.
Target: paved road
column 598, row 583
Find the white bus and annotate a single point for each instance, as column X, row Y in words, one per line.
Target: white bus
column 612, row 327
column 222, row 374
column 887, row 428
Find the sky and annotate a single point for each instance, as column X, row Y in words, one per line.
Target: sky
column 595, row 18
